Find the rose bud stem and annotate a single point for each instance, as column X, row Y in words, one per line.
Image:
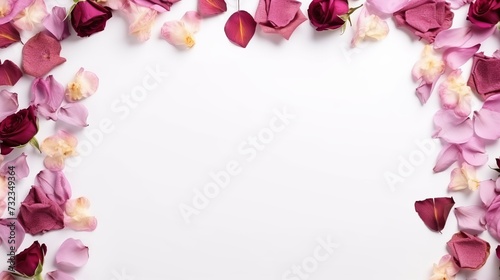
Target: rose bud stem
column 347, row 17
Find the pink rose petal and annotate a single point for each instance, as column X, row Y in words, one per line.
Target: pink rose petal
column 55, row 185
column 72, row 254
column 455, row 57
column 5, row 228
column 468, row 251
column 449, row 154
column 57, row 23
column 74, row 114
column 47, row 95
column 20, row 165
column 41, row 55
column 471, row 219
column 16, row 7
column 58, row 275
column 8, row 103
column 452, row 128
column 211, row 7
column 462, row 37
column 487, row 192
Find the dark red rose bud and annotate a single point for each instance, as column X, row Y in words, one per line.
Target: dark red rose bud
column 27, row 261
column 88, row 18
column 18, row 129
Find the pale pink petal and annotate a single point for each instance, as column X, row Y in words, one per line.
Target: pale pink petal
column 78, row 216
column 192, row 21
column 369, row 26
column 471, row 219
column 457, row 4
column 58, row 275
column 4, row 189
column 140, row 19
column 57, row 23
column 6, row 225
column 31, row 18
column 20, row 165
column 115, row 4
column 8, row 103
column 4, row 275
column 83, row 85
column 462, row 37
column 10, row 9
column 72, row 254
column 449, row 154
column 452, row 128
column 455, row 94
column 474, row 152
column 55, row 185
column 73, row 113
column 487, row 192
column 455, row 57
column 487, row 120
column 55, row 163
column 458, row 181
column 58, row 148
column 3, row 206
column 47, row 95
column 446, row 269
column 423, row 91
column 385, row 8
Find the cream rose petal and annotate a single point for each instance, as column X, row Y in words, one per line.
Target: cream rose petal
column 78, row 216
column 32, row 17
column 58, row 148
column 83, row 85
column 141, row 20
column 463, row 177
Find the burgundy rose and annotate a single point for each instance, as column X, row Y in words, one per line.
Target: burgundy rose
column 18, row 129
column 425, row 18
column 484, row 13
column 29, row 259
column 325, row 14
column 468, row 251
column 88, row 18
column 484, row 74
column 39, row 214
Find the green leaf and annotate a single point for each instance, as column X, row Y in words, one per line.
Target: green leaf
column 33, row 142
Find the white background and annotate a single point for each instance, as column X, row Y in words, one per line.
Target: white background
column 356, row 118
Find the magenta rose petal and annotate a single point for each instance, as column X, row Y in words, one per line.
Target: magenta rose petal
column 41, row 54
column 8, row 103
column 160, row 6
column 59, row 275
column 8, row 35
column 57, row 23
column 456, row 57
column 55, row 185
column 74, row 114
column 279, row 16
column 10, row 73
column 39, row 214
column 385, row 8
column 72, row 254
column 483, row 78
column 211, row 7
column 468, row 251
column 457, row 4
column 5, row 228
column 19, row 163
column 434, row 211
column 4, row 275
column 471, row 219
column 240, row 28
column 15, row 8
column 452, row 128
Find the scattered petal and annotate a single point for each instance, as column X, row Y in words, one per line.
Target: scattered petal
column 55, row 185
column 6, row 225
column 20, row 165
column 445, row 270
column 8, row 103
column 4, row 275
column 211, row 7
column 385, row 8
column 38, row 214
column 57, row 23
column 10, row 9
column 58, row 148
column 181, row 32
column 141, row 20
column 452, row 128
column 8, row 35
column 449, row 154
column 434, row 211
column 72, row 254
column 492, row 218
column 279, row 16
column 58, row 275
column 83, row 85
column 9, row 73
column 41, row 54
column 160, row 6
column 468, row 251
column 487, row 120
column 462, row 37
column 74, row 114
column 487, row 192
column 457, row 4
column 464, row 178
column 455, row 94
column 47, row 95
column 369, row 26
column 471, row 219
column 455, row 57
column 240, row 28
column 78, row 216
column 32, row 16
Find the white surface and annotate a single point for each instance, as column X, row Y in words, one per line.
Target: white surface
column 356, row 116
